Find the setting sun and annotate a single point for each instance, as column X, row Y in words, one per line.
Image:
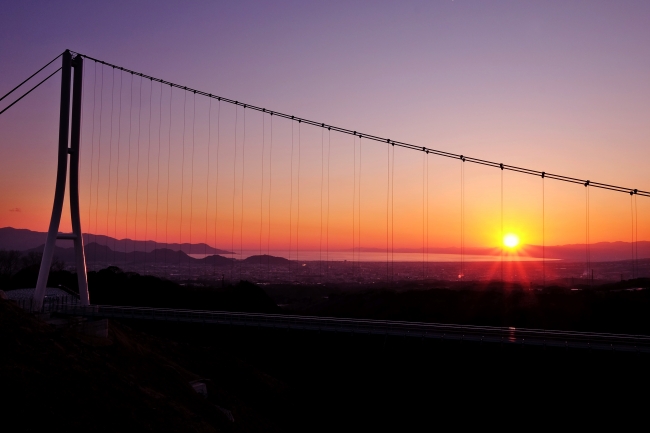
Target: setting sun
column 510, row 240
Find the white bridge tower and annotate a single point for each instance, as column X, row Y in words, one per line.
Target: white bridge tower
column 69, row 138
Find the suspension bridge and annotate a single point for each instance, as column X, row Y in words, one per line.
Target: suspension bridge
column 178, row 182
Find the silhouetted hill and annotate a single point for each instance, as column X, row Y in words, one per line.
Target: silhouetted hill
column 215, row 260
column 266, row 259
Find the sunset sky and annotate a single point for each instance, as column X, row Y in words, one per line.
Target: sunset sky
column 559, row 86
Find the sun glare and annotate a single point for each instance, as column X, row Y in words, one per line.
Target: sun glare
column 510, row 240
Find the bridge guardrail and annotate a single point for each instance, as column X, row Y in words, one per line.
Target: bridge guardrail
column 505, row 335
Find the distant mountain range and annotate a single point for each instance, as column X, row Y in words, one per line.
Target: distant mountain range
column 102, row 246
column 24, row 239
column 101, row 253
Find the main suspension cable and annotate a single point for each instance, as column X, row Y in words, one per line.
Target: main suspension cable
column 32, row 76
column 29, row 91
column 385, row 140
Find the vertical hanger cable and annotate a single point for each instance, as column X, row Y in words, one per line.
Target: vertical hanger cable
column 298, row 196
column 234, row 188
column 387, row 212
column 359, row 232
column 268, row 242
column 117, row 178
column 99, row 158
column 180, row 225
column 110, row 161
column 146, row 211
column 392, row 217
column 427, row 269
column 262, row 189
column 327, row 236
column 189, row 258
column 241, row 222
column 354, row 193
column 424, row 162
column 169, row 154
column 207, row 192
column 216, row 187
column 543, row 231
column 92, row 150
column 322, row 174
column 156, row 243
column 291, row 195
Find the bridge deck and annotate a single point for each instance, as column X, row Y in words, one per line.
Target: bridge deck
column 487, row 334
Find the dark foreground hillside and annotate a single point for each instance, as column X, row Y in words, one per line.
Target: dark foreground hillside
column 60, row 380
column 281, row 380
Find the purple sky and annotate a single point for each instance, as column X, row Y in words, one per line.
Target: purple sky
column 561, row 86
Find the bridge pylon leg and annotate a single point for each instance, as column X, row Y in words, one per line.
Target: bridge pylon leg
column 69, row 130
